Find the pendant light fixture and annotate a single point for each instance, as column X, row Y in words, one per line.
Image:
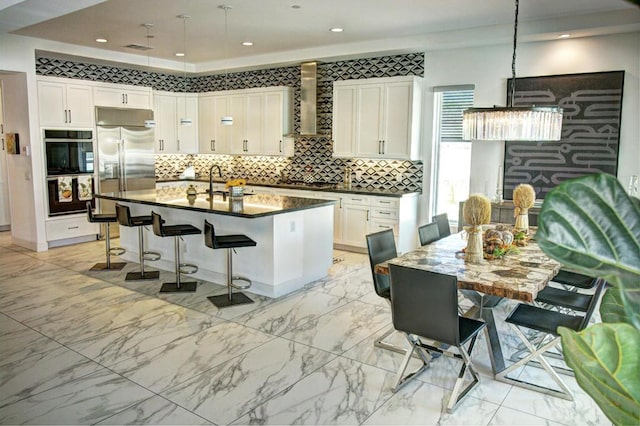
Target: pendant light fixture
column 226, row 120
column 149, row 124
column 184, row 120
column 512, row 123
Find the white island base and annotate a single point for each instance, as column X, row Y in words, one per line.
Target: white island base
column 293, row 248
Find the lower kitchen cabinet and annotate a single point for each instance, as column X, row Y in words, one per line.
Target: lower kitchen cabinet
column 67, row 227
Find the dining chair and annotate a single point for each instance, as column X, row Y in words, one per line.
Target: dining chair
column 443, row 224
column 428, row 233
column 381, row 247
column 546, row 322
column 424, row 304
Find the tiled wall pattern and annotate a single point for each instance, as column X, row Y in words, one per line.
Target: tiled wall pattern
column 312, row 155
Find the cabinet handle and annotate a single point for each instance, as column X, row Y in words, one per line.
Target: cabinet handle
column 280, row 146
column 385, row 202
column 123, row 98
column 340, row 202
column 387, row 213
column 73, row 227
column 384, row 146
column 379, row 147
column 356, row 199
column 66, row 119
column 384, row 226
column 126, row 98
column 178, row 144
column 368, row 211
column 213, row 144
column 69, row 116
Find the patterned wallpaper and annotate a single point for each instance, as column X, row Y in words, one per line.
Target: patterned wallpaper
column 312, row 155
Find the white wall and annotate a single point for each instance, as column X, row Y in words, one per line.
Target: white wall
column 489, row 67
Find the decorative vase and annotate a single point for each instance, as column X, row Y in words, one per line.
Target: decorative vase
column 473, row 252
column 236, row 204
column 522, row 221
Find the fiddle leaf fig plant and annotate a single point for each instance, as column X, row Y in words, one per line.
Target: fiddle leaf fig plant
column 592, row 226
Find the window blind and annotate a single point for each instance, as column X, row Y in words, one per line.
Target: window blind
column 453, row 104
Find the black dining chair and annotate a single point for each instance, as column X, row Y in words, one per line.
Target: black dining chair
column 428, row 233
column 381, row 247
column 424, row 304
column 443, row 224
column 546, row 323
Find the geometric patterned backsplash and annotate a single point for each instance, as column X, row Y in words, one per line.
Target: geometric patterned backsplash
column 312, row 155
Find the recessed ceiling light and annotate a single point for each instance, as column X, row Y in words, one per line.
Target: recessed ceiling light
column 564, row 36
column 247, row 43
column 101, row 40
column 336, row 30
column 180, row 54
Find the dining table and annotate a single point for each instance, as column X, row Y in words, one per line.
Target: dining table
column 519, row 275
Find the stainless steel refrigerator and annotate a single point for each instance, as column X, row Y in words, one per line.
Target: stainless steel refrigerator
column 126, row 160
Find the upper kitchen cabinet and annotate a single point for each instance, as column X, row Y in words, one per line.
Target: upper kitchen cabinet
column 65, row 103
column 377, row 118
column 171, row 136
column 213, row 137
column 123, row 96
column 261, row 118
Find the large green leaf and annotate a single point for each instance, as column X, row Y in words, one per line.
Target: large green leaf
column 606, row 362
column 591, row 225
column 611, row 308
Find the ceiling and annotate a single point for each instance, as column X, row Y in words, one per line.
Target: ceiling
column 278, row 27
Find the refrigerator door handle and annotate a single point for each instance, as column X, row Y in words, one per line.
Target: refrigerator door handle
column 123, row 179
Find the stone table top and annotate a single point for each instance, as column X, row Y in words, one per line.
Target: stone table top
column 516, row 276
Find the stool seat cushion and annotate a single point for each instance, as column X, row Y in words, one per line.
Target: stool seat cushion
column 141, row 220
column 103, row 217
column 177, row 230
column 232, row 241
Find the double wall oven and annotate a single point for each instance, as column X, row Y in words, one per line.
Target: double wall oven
column 70, row 170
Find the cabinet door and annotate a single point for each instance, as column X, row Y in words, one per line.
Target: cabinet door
column 165, row 131
column 80, row 105
column 206, row 128
column 137, row 98
column 344, row 118
column 254, row 122
column 187, row 135
column 237, row 106
column 272, row 139
column 108, row 96
column 397, row 107
column 52, row 104
column 355, row 224
column 369, row 120
column 222, row 133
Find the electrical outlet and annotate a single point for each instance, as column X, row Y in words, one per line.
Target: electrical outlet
column 292, row 226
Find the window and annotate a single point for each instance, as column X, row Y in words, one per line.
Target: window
column 452, row 155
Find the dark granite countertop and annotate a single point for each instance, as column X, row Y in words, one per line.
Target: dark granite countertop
column 249, row 206
column 323, row 187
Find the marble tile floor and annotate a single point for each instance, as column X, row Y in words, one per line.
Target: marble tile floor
column 83, row 347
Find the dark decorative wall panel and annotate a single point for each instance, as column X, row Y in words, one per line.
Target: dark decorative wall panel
column 592, row 105
column 310, row 153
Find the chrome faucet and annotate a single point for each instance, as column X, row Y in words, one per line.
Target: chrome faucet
column 211, row 178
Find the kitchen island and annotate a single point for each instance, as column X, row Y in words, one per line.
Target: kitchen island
column 294, row 235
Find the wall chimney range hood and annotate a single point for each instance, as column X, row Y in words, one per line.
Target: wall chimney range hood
column 308, row 101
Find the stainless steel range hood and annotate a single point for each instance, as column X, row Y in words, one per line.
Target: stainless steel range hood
column 308, row 100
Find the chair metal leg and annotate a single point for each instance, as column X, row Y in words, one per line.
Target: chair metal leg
column 142, row 275
column 231, row 298
column 179, row 286
column 536, row 354
column 108, row 265
column 402, row 380
column 459, row 392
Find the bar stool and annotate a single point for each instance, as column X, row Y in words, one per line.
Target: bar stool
column 125, row 219
column 107, row 219
column 228, row 242
column 176, row 231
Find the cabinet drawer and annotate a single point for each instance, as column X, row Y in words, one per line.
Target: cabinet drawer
column 377, row 225
column 69, row 228
column 384, row 213
column 386, row 202
column 360, row 200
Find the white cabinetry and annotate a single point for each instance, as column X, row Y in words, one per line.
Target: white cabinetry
column 69, row 227
column 213, row 137
column 171, row 136
column 117, row 95
column 377, row 118
column 65, row 103
column 261, row 118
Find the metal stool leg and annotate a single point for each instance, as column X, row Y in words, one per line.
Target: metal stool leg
column 142, row 275
column 109, row 266
column 232, row 298
column 179, row 286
